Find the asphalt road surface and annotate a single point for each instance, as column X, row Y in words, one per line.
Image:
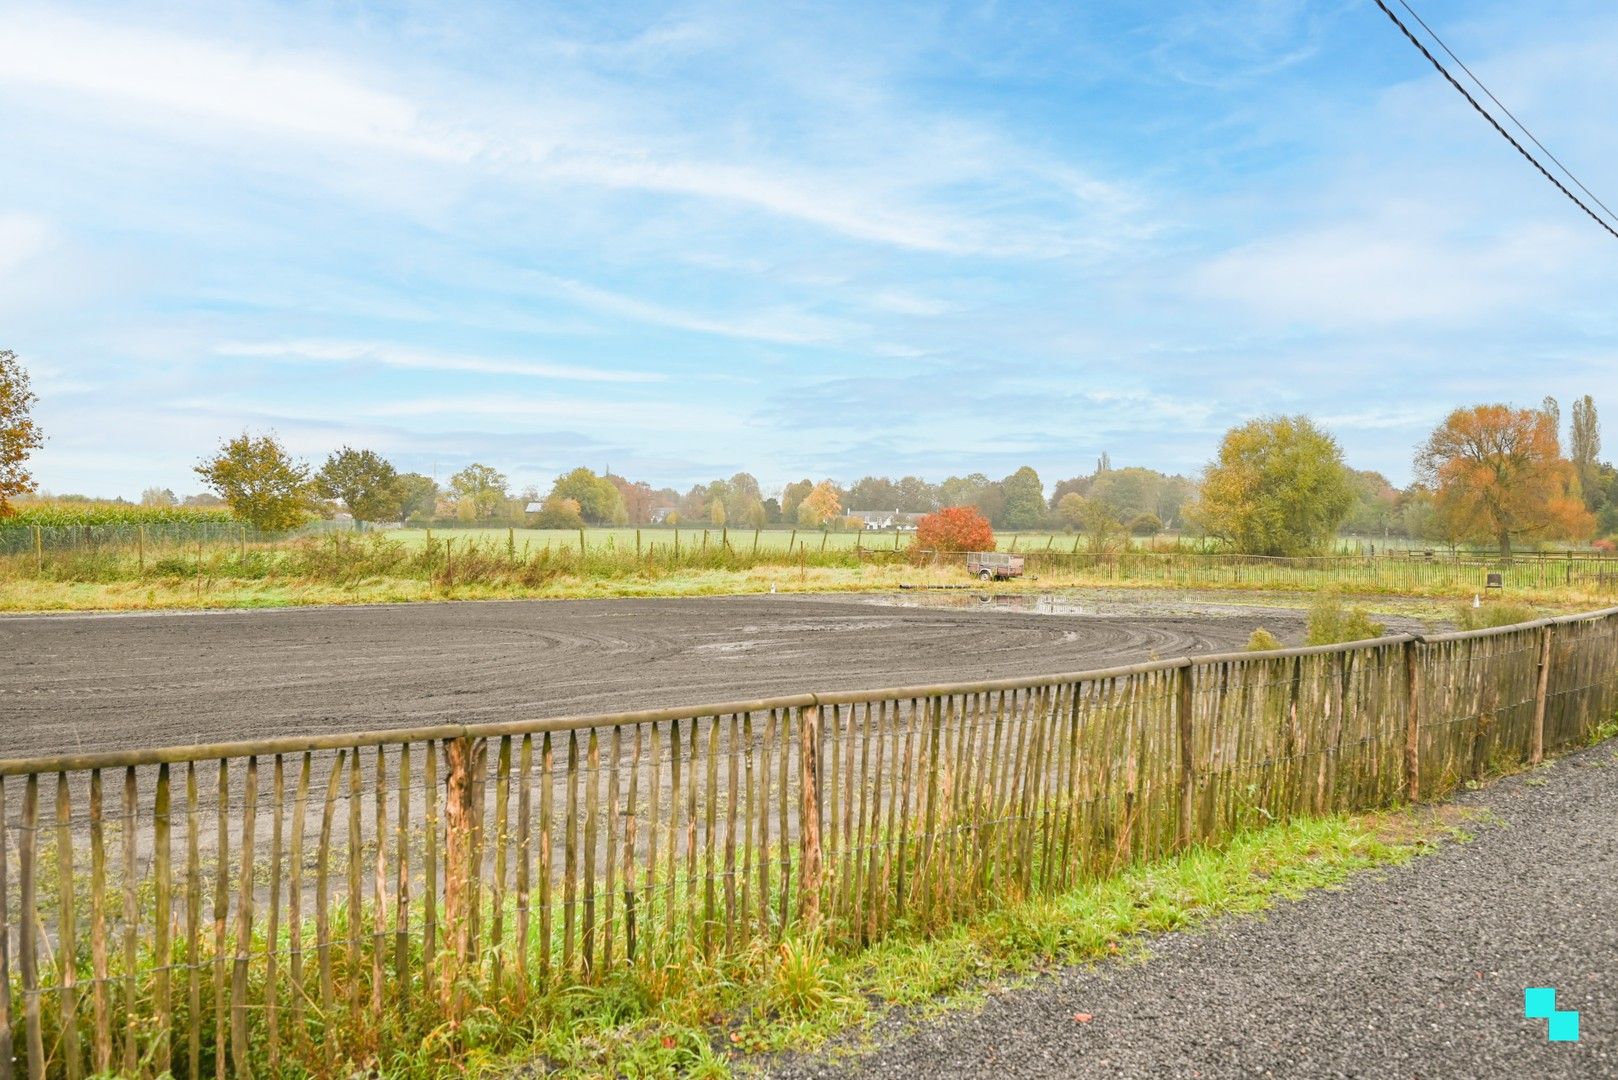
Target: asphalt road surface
column 74, row 683
column 1416, row 972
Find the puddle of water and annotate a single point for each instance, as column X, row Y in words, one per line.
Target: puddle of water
column 1066, row 604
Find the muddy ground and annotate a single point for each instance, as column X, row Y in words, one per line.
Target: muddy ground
column 80, row 683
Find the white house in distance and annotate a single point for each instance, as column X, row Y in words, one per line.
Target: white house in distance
column 877, row 520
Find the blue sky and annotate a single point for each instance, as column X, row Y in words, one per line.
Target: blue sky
column 687, row 239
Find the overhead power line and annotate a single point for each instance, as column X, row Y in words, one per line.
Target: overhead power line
column 1504, row 134
column 1520, row 125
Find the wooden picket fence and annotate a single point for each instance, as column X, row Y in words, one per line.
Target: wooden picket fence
column 267, row 907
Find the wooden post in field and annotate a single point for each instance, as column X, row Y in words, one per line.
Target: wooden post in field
column 244, row 544
column 637, row 545
column 809, row 816
column 1536, row 746
column 724, row 538
column 1183, row 706
column 755, row 541
column 825, row 534
column 1412, row 724
column 39, row 549
column 457, row 862
column 140, row 547
column 792, row 541
column 581, row 543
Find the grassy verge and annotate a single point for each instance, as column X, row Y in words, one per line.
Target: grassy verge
column 221, row 589
column 715, row 1022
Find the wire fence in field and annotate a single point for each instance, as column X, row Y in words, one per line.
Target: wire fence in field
column 1590, row 573
column 309, row 904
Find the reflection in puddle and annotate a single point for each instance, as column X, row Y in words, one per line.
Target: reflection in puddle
column 1083, row 605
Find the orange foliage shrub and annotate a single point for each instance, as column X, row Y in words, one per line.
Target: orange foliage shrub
column 955, row 528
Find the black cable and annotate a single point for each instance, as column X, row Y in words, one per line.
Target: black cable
column 1504, row 134
column 1520, row 125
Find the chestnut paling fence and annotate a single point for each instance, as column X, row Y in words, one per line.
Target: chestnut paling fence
column 268, row 907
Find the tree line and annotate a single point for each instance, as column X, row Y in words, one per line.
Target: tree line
column 1488, row 474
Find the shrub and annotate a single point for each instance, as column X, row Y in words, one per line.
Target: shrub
column 1491, row 615
column 1330, row 623
column 1147, row 524
column 1263, row 641
column 559, row 512
column 51, row 513
column 955, row 528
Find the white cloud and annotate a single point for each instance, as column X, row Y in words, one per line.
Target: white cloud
column 784, row 326
column 155, row 74
column 22, row 236
column 1387, row 271
column 384, row 354
column 198, row 88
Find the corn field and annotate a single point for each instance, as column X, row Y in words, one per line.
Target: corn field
column 307, row 906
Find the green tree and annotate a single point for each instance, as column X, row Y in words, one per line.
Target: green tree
column 716, row 511
column 756, row 516
column 741, row 491
column 1024, row 495
column 156, row 496
column 260, row 482
column 19, row 434
column 1070, row 509
column 558, row 512
column 418, row 495
column 792, row 496
column 600, row 501
column 1584, row 446
column 364, row 482
column 1278, row 487
column 481, row 489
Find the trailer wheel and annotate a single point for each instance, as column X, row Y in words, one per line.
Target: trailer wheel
column 985, row 575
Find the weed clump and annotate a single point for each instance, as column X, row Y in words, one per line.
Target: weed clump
column 1331, row 623
column 1490, row 615
column 1262, row 640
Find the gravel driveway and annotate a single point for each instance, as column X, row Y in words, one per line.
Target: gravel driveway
column 1417, row 971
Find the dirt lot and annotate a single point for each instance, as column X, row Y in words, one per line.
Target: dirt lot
column 108, row 682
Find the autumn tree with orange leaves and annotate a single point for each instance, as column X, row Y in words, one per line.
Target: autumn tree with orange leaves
column 1498, row 473
column 954, row 528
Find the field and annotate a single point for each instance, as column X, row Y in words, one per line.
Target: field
column 148, row 568
column 97, row 683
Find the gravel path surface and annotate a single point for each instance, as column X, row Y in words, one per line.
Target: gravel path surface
column 76, row 682
column 1415, row 972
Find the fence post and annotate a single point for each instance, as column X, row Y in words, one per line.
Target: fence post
column 39, row 549
column 457, row 862
column 1412, row 724
column 1536, row 745
column 809, row 816
column 1182, row 708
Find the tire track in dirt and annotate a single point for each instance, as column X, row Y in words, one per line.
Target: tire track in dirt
column 73, row 683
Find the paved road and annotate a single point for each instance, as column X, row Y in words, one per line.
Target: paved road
column 105, row 682
column 1417, row 972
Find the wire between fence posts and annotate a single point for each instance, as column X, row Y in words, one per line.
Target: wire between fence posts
column 1536, row 745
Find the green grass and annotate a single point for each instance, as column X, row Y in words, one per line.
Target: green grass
column 800, row 995
column 346, row 568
